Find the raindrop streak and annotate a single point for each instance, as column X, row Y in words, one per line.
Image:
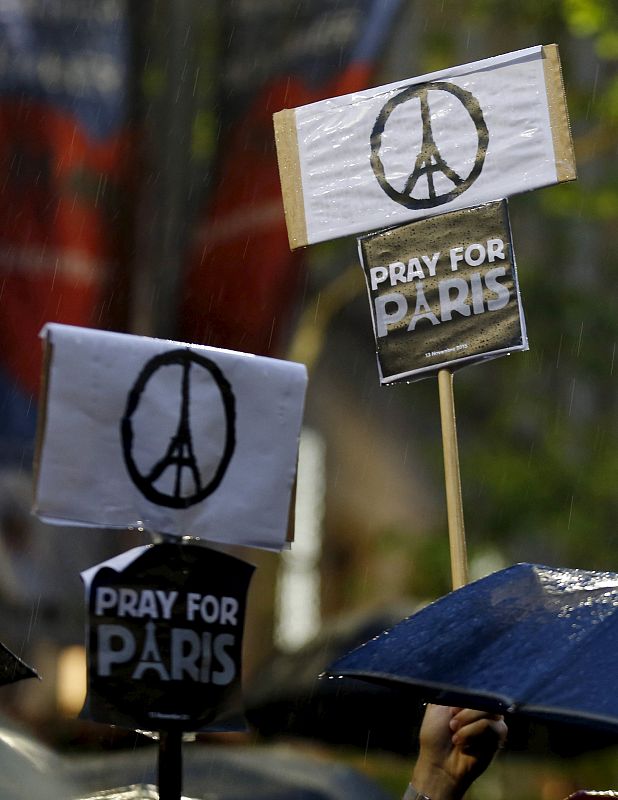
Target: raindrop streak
column 366, row 747
column 34, row 613
column 559, row 352
column 530, row 453
column 317, row 305
column 593, row 93
column 579, row 341
column 573, row 382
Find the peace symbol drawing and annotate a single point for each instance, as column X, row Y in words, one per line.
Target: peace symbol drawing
column 179, row 464
column 405, row 124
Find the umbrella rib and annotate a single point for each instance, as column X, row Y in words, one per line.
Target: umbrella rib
column 504, row 702
column 567, row 714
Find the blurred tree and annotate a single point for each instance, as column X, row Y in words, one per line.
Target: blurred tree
column 538, row 431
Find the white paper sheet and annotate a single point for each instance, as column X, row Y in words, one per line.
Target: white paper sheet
column 226, row 424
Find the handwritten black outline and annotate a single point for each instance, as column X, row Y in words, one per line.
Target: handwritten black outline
column 469, row 102
column 181, row 357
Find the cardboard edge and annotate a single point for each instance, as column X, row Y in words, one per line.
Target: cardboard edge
column 42, row 415
column 286, row 142
column 564, row 154
column 291, row 529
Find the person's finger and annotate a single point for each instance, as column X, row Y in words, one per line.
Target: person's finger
column 467, row 715
column 481, row 730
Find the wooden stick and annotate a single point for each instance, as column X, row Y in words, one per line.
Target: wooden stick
column 454, row 505
column 170, row 765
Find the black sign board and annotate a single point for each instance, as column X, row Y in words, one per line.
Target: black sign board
column 165, row 638
column 443, row 292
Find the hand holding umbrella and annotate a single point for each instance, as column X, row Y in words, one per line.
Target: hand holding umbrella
column 456, row 746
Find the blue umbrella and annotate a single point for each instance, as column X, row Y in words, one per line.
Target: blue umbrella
column 529, row 639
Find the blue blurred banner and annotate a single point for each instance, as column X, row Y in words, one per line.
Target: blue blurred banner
column 69, row 54
column 69, row 172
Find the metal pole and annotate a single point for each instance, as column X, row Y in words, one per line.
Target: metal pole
column 170, row 765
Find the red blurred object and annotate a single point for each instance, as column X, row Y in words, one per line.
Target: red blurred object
column 243, row 281
column 57, row 258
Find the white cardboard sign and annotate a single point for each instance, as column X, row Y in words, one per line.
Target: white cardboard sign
column 178, row 439
column 424, row 146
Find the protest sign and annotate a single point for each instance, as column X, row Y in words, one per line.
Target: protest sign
column 443, row 292
column 174, row 438
column 165, row 638
column 442, row 141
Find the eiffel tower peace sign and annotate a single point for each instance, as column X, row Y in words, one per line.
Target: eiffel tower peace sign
column 419, row 190
column 176, row 479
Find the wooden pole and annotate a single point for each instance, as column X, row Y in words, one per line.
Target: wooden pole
column 454, row 505
column 170, row 765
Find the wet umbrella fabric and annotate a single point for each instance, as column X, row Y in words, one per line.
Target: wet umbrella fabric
column 531, row 639
column 13, row 668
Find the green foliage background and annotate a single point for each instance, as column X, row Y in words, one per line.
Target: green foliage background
column 538, row 431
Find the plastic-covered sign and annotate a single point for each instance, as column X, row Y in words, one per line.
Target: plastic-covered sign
column 165, row 638
column 443, row 292
column 424, row 146
column 175, row 438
